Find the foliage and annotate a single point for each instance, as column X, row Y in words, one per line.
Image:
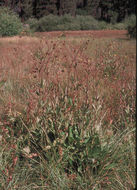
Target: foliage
column 119, row 26
column 48, row 23
column 67, row 22
column 116, row 11
column 26, row 9
column 80, row 22
column 130, row 20
column 102, row 25
column 6, row 10
column 33, row 24
column 82, row 12
column 113, row 16
column 87, row 23
column 10, row 24
column 130, row 23
column 132, row 31
column 106, row 10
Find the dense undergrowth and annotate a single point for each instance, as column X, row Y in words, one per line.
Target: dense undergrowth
column 10, row 24
column 68, row 122
column 80, row 22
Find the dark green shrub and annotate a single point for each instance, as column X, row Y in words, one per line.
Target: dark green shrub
column 132, row 31
column 102, row 25
column 66, row 19
column 113, row 16
column 119, row 26
column 67, row 22
column 82, row 12
column 10, row 24
column 6, row 10
column 48, row 23
column 33, row 23
column 129, row 21
column 87, row 23
column 130, row 24
column 69, row 26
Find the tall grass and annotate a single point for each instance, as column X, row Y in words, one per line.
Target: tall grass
column 68, row 122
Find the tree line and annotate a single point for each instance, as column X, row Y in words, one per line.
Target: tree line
column 107, row 10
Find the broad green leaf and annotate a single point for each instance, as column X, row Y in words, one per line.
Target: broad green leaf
column 87, row 140
column 70, row 135
column 70, row 101
column 2, row 83
column 76, row 132
column 111, row 166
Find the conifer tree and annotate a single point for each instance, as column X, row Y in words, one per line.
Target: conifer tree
column 67, row 7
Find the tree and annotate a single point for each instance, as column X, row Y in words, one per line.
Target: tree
column 26, row 9
column 108, row 10
column 116, row 9
column 42, row 7
column 67, row 7
column 92, row 7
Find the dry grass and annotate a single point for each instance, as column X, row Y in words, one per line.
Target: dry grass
column 84, row 86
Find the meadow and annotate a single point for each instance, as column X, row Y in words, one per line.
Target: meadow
column 67, row 112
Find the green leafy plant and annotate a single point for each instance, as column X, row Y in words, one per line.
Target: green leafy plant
column 130, row 23
column 48, row 23
column 33, row 24
column 87, row 23
column 10, row 24
column 132, row 31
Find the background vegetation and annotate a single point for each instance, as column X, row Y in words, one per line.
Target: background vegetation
column 79, row 15
column 10, row 24
column 107, row 10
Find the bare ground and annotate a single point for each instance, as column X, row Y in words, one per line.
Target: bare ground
column 93, row 33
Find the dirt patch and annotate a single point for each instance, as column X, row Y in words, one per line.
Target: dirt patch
column 96, row 33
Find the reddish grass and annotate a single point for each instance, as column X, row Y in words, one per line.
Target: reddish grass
column 95, row 34
column 104, row 73
column 49, row 70
column 64, row 60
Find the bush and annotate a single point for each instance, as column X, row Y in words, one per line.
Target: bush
column 80, row 22
column 10, row 24
column 66, row 22
column 130, row 23
column 69, row 26
column 48, row 23
column 81, row 12
column 6, row 10
column 102, row 25
column 132, row 31
column 33, row 23
column 113, row 17
column 66, row 19
column 119, row 26
column 87, row 23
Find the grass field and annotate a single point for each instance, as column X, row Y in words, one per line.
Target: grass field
column 67, row 111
